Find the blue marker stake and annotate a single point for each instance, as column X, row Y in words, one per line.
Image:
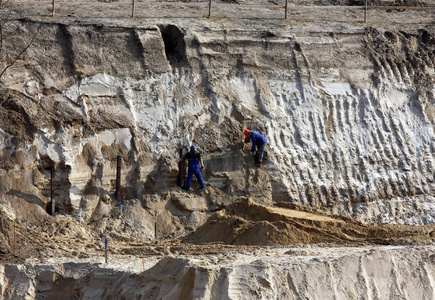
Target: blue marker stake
column 105, row 242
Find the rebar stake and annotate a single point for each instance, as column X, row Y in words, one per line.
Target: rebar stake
column 365, row 12
column 209, row 8
column 105, row 249
column 155, row 226
column 132, row 10
column 13, row 246
column 118, row 177
column 286, row 9
column 53, row 204
column 25, row 236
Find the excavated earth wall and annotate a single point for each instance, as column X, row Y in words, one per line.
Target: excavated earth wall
column 348, row 113
column 277, row 273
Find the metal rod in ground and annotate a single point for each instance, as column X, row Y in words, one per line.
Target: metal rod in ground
column 105, row 250
column 132, row 10
column 52, row 9
column 13, row 246
column 118, row 177
column 25, row 235
column 286, row 7
column 365, row 12
column 209, row 8
column 155, row 226
column 52, row 189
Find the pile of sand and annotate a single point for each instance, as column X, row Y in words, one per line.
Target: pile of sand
column 248, row 223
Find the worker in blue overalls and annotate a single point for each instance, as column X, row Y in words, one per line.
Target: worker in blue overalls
column 258, row 143
column 195, row 166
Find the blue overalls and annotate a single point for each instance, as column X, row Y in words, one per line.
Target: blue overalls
column 258, row 141
column 194, row 168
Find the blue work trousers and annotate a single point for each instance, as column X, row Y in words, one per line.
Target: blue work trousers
column 260, row 153
column 194, row 169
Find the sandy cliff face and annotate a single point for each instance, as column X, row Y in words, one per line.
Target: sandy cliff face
column 349, row 114
column 347, row 108
column 279, row 273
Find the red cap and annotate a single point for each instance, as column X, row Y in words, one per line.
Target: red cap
column 246, row 132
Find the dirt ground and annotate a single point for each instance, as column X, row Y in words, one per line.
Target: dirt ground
column 238, row 227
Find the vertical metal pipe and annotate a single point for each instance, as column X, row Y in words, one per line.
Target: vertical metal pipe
column 209, row 8
column 286, row 7
column 132, row 10
column 118, row 177
column 365, row 12
column 52, row 9
column 25, row 236
column 105, row 249
column 155, row 226
column 52, row 189
column 13, row 246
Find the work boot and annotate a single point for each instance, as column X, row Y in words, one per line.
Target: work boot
column 203, row 191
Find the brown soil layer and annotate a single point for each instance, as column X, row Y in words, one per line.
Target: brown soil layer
column 239, row 227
